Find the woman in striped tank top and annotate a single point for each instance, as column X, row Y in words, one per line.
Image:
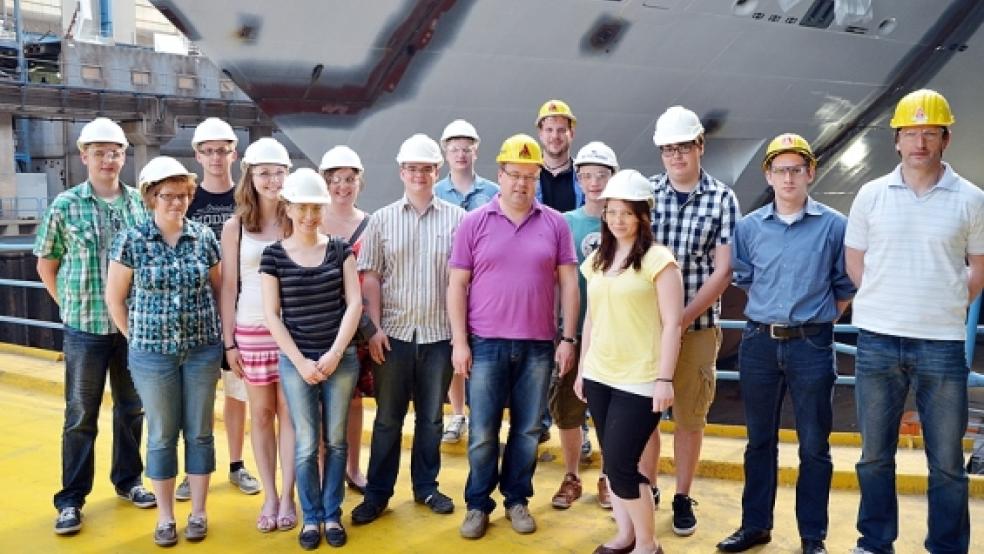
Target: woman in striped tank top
column 312, row 304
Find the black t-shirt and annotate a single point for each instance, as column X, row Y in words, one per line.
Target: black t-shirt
column 558, row 190
column 212, row 209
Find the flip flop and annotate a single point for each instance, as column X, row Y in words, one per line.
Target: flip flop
column 288, row 520
column 266, row 523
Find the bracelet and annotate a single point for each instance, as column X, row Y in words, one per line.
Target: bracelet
column 662, row 380
column 233, row 347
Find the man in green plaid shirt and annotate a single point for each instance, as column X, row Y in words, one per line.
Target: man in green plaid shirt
column 71, row 246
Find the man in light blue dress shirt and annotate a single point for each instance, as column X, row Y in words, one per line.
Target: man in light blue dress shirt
column 789, row 257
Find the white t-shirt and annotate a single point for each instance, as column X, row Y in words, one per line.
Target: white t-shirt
column 915, row 274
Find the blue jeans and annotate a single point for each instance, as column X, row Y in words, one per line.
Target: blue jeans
column 88, row 359
column 517, row 372
column 806, row 367
column 886, row 367
column 178, row 392
column 316, row 411
column 421, row 372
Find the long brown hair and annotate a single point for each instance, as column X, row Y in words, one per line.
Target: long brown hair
column 248, row 203
column 605, row 255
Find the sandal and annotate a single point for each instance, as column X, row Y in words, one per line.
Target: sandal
column 287, row 520
column 266, row 523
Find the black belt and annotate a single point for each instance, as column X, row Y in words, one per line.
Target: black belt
column 778, row 331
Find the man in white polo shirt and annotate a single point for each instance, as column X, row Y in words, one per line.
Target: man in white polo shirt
column 910, row 236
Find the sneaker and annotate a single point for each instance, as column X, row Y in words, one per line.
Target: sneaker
column 139, row 496
column 455, row 428
column 166, row 534
column 604, row 495
column 570, row 490
column 544, row 436
column 684, row 520
column 246, row 482
column 438, row 502
column 69, row 521
column 197, row 528
column 367, row 512
column 183, row 492
column 475, row 524
column 522, row 520
column 655, row 496
column 586, row 450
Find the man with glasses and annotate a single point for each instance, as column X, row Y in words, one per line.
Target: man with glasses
column 404, row 263
column 789, row 257
column 507, row 261
column 214, row 143
column 694, row 216
column 462, row 187
column 911, row 236
column 595, row 164
column 72, row 247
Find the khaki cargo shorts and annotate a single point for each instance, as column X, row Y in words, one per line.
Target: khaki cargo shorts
column 694, row 380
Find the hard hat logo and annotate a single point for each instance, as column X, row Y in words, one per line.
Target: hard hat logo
column 552, row 107
column 919, row 116
column 525, row 153
column 788, row 140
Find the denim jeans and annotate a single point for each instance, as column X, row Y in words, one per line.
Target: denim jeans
column 806, row 367
column 178, row 392
column 937, row 370
column 316, row 411
column 517, row 372
column 88, row 359
column 421, row 372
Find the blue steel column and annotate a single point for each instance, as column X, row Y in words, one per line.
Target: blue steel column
column 106, row 18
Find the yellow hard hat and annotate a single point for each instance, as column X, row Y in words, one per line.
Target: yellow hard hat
column 788, row 142
column 520, row 149
column 922, row 107
column 557, row 108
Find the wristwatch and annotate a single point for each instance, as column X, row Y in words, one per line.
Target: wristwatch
column 572, row 340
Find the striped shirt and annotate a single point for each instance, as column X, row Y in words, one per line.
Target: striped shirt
column 77, row 230
column 693, row 230
column 410, row 253
column 915, row 275
column 312, row 299
column 172, row 307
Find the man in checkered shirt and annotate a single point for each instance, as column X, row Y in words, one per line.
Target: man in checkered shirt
column 694, row 216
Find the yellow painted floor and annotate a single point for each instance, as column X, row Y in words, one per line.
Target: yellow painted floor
column 31, row 417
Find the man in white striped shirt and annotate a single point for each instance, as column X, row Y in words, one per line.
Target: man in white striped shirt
column 909, row 237
column 404, row 265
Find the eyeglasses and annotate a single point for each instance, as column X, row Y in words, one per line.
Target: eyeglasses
column 618, row 215
column 107, row 154
column 589, row 176
column 461, row 149
column 270, row 175
column 350, row 180
column 171, row 197
column 794, row 170
column 419, row 170
column 307, row 209
column 516, row 176
column 669, row 150
column 929, row 135
column 220, row 152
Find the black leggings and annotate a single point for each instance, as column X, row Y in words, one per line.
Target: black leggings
column 624, row 423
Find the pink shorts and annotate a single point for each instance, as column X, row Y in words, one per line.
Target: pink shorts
column 259, row 353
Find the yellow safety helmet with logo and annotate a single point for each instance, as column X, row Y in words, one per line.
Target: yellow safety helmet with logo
column 557, row 108
column 520, row 149
column 922, row 107
column 788, row 142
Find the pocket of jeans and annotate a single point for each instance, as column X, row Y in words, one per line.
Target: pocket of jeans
column 821, row 341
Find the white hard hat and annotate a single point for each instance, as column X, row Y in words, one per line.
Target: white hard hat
column 629, row 184
column 459, row 128
column 305, row 186
column 102, row 129
column 161, row 168
column 677, row 124
column 213, row 128
column 420, row 148
column 596, row 153
column 266, row 151
column 340, row 156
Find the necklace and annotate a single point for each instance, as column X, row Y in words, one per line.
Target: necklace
column 556, row 167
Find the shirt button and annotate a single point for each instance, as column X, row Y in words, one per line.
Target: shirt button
column 177, row 300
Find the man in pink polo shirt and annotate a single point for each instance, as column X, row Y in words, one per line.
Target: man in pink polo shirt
column 508, row 256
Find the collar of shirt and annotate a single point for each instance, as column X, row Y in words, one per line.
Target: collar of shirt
column 812, row 208
column 948, row 180
column 434, row 204
column 85, row 190
column 494, row 207
column 661, row 183
column 154, row 232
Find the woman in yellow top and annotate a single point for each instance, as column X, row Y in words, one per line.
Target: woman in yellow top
column 631, row 342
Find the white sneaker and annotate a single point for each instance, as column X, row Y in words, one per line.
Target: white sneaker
column 183, row 492
column 246, row 482
column 454, row 429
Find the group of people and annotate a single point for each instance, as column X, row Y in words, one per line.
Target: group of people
column 570, row 286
